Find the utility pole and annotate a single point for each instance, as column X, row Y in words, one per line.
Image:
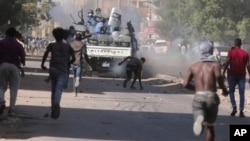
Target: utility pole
column 150, row 12
column 119, row 4
column 150, row 18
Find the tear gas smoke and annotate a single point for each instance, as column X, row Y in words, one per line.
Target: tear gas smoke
column 171, row 63
column 58, row 15
column 66, row 8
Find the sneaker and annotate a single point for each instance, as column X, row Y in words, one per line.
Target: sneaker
column 11, row 112
column 198, row 125
column 2, row 107
column 233, row 112
column 242, row 114
column 77, row 82
column 55, row 111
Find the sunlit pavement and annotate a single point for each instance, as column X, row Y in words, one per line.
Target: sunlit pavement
column 104, row 110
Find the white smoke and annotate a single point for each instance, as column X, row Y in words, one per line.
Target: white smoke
column 171, row 63
column 67, row 11
column 60, row 16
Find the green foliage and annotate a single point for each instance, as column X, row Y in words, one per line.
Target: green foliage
column 22, row 14
column 218, row 20
column 244, row 28
column 8, row 9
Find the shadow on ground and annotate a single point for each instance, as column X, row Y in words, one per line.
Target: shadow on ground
column 107, row 125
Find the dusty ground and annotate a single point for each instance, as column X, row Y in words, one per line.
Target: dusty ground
column 103, row 110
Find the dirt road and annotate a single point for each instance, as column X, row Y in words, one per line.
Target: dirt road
column 104, row 110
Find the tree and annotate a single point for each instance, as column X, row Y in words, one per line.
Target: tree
column 217, row 20
column 23, row 14
column 175, row 21
column 8, row 9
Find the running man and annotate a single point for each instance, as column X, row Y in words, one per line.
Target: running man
column 62, row 55
column 202, row 77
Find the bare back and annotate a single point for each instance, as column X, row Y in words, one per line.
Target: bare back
column 205, row 75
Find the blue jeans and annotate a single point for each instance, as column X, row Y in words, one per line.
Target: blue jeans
column 240, row 81
column 58, row 81
column 77, row 72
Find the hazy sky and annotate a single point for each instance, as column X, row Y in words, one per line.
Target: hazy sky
column 62, row 13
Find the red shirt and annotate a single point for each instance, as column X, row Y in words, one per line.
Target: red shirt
column 238, row 61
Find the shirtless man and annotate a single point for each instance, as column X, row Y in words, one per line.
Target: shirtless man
column 202, row 77
column 133, row 66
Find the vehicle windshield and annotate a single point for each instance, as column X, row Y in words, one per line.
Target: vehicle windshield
column 160, row 44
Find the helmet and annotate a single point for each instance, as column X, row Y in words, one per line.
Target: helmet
column 91, row 11
column 71, row 27
column 72, row 30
